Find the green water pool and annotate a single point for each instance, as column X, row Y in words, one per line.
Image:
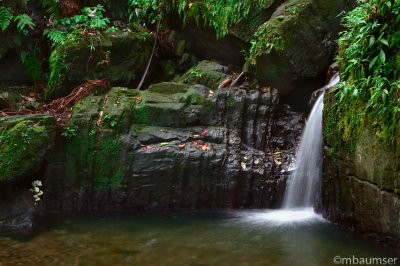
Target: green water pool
column 187, row 238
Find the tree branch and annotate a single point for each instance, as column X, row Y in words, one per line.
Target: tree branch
column 151, row 56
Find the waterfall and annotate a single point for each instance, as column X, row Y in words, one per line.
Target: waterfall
column 304, row 184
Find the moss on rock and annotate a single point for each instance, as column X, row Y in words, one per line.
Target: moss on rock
column 207, row 73
column 121, row 58
column 169, row 88
column 24, row 142
column 297, row 42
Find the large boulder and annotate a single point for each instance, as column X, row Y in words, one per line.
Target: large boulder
column 207, row 73
column 121, row 58
column 173, row 146
column 298, row 42
column 25, row 141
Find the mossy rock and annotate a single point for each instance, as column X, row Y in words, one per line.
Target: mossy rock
column 298, row 42
column 92, row 153
column 207, row 73
column 25, row 141
column 171, row 104
column 121, row 58
column 117, row 111
column 169, row 88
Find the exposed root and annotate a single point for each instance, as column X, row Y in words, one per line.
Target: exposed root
column 61, row 108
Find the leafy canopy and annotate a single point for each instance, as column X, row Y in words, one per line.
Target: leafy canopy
column 218, row 14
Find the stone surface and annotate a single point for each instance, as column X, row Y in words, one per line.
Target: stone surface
column 174, row 146
column 18, row 212
column 207, row 73
column 25, row 141
column 360, row 188
column 307, row 30
column 124, row 56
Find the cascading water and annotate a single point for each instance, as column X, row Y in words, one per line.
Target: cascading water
column 304, row 187
column 304, row 184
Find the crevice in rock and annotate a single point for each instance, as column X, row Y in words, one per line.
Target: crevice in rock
column 299, row 98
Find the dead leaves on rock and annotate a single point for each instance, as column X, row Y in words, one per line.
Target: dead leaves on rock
column 194, row 144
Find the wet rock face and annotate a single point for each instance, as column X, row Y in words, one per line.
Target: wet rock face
column 18, row 212
column 174, row 146
column 360, row 188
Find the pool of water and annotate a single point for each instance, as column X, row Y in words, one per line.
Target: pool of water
column 294, row 237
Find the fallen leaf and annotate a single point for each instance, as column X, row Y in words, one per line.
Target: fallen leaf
column 277, row 161
column 138, row 98
column 245, row 157
column 148, row 148
column 164, row 143
column 256, row 161
column 181, row 147
column 244, row 167
column 167, row 148
column 204, row 147
column 205, row 131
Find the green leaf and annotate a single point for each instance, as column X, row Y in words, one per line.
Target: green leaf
column 371, row 65
column 371, row 41
column 384, row 41
column 382, row 56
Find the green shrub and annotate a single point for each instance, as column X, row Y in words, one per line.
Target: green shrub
column 369, row 61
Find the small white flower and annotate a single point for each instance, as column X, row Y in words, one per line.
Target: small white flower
column 92, row 13
column 36, row 189
column 40, row 193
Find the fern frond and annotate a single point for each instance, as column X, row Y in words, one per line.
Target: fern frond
column 57, row 36
column 6, row 17
column 52, row 8
column 33, row 68
column 24, row 20
column 57, row 67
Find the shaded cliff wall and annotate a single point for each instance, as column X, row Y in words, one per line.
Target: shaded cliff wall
column 361, row 180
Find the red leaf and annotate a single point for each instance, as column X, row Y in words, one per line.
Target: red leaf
column 148, row 148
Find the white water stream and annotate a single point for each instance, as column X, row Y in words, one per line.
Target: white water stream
column 303, row 187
